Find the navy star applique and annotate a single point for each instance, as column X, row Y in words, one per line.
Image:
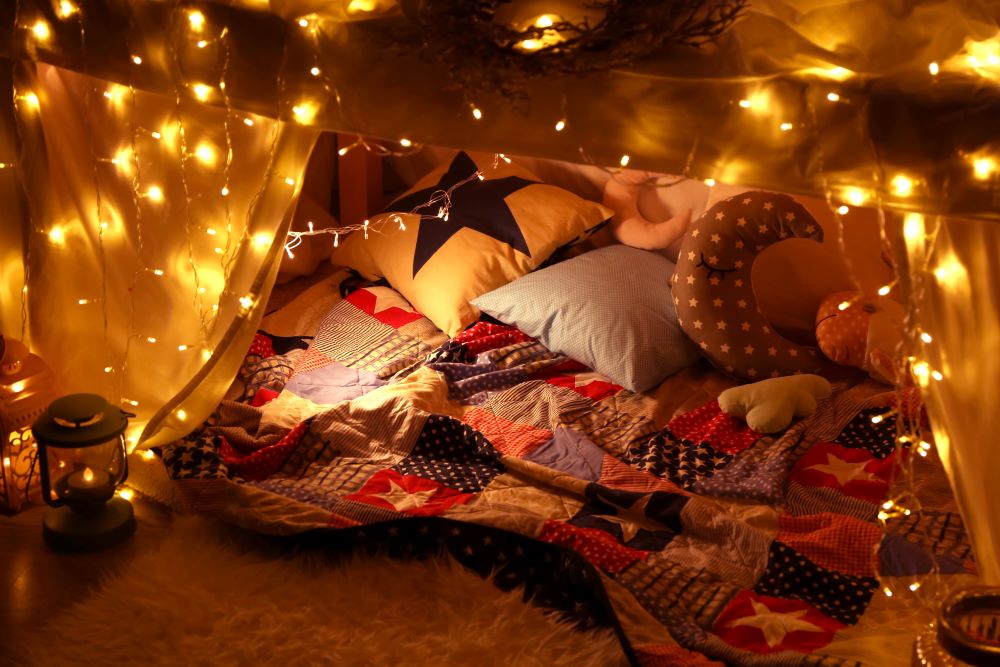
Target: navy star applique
column 477, row 205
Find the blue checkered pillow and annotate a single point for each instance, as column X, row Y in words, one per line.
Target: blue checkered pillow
column 610, row 309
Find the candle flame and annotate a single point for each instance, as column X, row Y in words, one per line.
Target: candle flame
column 88, row 475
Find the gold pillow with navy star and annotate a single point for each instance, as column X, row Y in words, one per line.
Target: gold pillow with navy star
column 497, row 230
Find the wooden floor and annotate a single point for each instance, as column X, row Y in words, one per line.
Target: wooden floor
column 36, row 581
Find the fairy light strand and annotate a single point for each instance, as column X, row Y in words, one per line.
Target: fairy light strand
column 440, row 198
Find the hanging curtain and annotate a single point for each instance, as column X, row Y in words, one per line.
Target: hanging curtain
column 154, row 228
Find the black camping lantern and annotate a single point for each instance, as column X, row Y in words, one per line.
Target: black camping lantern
column 82, row 455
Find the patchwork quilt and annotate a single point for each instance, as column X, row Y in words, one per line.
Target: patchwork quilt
column 698, row 540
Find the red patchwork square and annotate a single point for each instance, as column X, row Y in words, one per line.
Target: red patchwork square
column 506, row 436
column 710, row 424
column 600, row 548
column 853, row 472
column 833, row 541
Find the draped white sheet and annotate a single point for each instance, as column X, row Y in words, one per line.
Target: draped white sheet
column 121, row 281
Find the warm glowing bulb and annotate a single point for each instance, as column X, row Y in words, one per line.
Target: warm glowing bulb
column 926, row 337
column 561, row 125
column 32, row 100
column 984, row 167
column 156, row 135
column 182, row 348
column 201, row 91
column 88, row 474
column 148, row 454
column 41, row 30
column 476, row 113
column 125, row 494
column 211, row 231
column 843, row 305
column 202, row 43
column 107, row 369
column 150, row 340
column 303, row 23
column 710, row 182
column 785, row 127
column 545, row 21
column 833, row 97
column 196, row 20
column 888, row 592
column 182, row 414
column 205, row 153
column 937, row 375
column 314, row 71
column 855, row 196
column 746, row 104
column 224, row 191
column 361, row 6
column 530, row 44
column 218, row 251
column 248, row 122
column 877, row 419
column 82, row 302
column 18, row 386
column 206, row 355
column 137, row 60
column 934, row 68
column 262, row 239
column 246, row 302
column 66, row 9
column 155, row 193
column 884, row 289
column 289, row 181
column 902, row 185
column 343, row 151
column 405, row 143
column 922, row 371
column 304, row 112
column 57, row 235
column 624, row 160
column 843, row 210
column 157, row 272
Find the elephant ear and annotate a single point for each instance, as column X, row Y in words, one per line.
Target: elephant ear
column 714, row 296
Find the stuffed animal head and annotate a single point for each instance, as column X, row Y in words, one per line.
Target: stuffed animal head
column 853, row 330
column 769, row 406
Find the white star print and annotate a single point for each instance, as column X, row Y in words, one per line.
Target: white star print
column 741, row 303
column 724, row 347
column 739, row 244
column 676, row 300
column 697, row 324
column 704, row 345
column 765, row 329
column 715, row 238
column 713, row 281
column 748, row 349
column 762, row 228
column 752, row 373
column 692, row 255
column 717, row 303
column 772, row 351
column 768, row 206
column 402, row 500
column 721, row 325
column 789, row 216
column 793, row 352
column 775, row 625
column 738, row 264
column 690, row 279
column 775, row 374
column 720, row 215
column 845, row 471
column 746, row 201
column 745, row 326
column 741, row 222
column 810, row 229
column 695, row 233
column 739, row 282
column 693, row 302
column 713, row 259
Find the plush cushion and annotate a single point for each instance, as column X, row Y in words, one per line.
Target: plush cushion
column 609, row 309
column 865, row 334
column 770, row 405
column 497, row 230
column 712, row 287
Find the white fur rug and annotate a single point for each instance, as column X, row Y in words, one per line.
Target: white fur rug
column 203, row 597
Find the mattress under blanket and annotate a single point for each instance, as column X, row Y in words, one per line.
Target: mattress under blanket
column 696, row 538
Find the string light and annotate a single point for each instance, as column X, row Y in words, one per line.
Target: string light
column 884, row 290
column 984, row 167
column 314, row 71
column 57, row 235
column 248, row 122
column 934, row 69
column 843, row 210
column 902, row 185
column 624, row 160
column 155, row 193
column 41, row 30
column 148, row 454
column 926, row 337
column 785, row 127
column 201, row 91
column 289, row 181
column 66, row 9
column 561, row 125
column 137, row 60
column 196, row 20
column 406, row 143
column 476, row 113
column 710, row 182
column 833, row 97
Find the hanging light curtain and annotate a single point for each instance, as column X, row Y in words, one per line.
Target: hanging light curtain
column 154, row 229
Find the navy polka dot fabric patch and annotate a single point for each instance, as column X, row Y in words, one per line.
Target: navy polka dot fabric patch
column 789, row 574
column 454, row 454
column 684, row 464
column 861, row 433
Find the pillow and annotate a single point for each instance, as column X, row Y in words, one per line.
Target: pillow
column 609, row 309
column 497, row 230
column 712, row 287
